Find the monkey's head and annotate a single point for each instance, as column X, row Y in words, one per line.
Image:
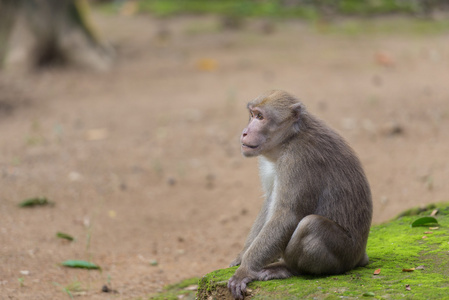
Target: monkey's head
column 274, row 117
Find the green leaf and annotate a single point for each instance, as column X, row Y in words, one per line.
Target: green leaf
column 66, row 236
column 368, row 294
column 424, row 221
column 80, row 264
column 35, row 202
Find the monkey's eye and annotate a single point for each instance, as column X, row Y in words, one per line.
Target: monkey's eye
column 259, row 116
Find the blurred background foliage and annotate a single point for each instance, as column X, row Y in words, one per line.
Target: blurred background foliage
column 64, row 34
column 307, row 9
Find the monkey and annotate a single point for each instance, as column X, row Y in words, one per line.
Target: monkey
column 317, row 212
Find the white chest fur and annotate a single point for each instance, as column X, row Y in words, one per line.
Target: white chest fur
column 269, row 180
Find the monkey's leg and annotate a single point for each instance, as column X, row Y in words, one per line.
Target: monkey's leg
column 321, row 246
column 276, row 270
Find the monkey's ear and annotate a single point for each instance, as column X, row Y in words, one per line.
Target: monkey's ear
column 296, row 110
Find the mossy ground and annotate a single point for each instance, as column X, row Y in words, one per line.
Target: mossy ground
column 392, row 247
column 184, row 289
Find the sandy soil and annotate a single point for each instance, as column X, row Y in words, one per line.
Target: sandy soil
column 143, row 161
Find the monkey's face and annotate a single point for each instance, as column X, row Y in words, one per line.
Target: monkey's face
column 254, row 137
column 270, row 123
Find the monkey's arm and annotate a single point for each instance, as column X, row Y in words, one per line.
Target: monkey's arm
column 267, row 246
column 272, row 240
column 254, row 232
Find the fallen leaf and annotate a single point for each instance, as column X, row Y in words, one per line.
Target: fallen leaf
column 407, row 287
column 428, row 232
column 408, row 270
column 368, row 294
column 424, row 221
column 434, row 212
column 424, row 237
column 207, row 64
column 434, row 228
column 37, row 201
column 384, row 59
column 377, row 272
column 80, row 264
column 63, row 235
column 420, row 268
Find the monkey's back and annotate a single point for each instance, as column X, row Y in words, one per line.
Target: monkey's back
column 332, row 182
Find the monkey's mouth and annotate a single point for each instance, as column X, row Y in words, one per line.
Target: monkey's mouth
column 249, row 146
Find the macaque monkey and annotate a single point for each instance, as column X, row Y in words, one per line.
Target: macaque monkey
column 317, row 211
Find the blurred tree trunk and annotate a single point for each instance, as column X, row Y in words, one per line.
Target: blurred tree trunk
column 8, row 11
column 61, row 31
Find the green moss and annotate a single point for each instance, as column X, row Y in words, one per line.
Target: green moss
column 385, row 26
column 214, row 284
column 234, row 8
column 174, row 291
column 279, row 8
column 415, row 211
column 354, row 23
column 392, row 246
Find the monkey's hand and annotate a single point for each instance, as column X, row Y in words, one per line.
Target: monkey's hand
column 237, row 283
column 236, row 262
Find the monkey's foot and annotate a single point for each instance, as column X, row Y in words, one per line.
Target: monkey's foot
column 275, row 271
column 237, row 286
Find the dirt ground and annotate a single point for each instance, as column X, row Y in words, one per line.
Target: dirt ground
column 143, row 161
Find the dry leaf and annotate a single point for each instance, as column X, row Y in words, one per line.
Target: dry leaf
column 407, row 287
column 428, row 232
column 384, row 59
column 377, row 272
column 420, row 268
column 408, row 270
column 207, row 64
column 434, row 228
column 434, row 212
column 424, row 237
